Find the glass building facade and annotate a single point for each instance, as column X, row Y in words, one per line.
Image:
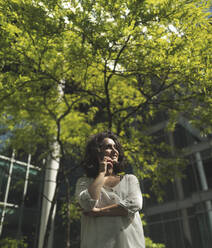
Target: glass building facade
column 20, row 194
column 184, row 218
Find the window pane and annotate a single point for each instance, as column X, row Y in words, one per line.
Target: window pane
column 4, row 172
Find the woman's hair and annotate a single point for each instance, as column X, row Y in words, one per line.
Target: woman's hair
column 93, row 152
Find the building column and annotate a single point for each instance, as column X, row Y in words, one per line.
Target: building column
column 180, row 192
column 204, row 186
column 51, row 172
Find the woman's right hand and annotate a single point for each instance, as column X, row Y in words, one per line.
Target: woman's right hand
column 103, row 164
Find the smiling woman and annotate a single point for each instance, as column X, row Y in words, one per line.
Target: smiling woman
column 103, row 194
column 97, row 146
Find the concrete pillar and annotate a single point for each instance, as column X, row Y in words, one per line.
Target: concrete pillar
column 180, row 192
column 204, row 186
column 51, row 171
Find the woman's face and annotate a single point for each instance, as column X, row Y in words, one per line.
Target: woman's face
column 109, row 149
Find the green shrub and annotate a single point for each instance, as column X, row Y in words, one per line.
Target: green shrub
column 150, row 244
column 12, row 243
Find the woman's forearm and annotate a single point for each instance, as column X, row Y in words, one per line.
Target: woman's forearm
column 111, row 210
column 95, row 188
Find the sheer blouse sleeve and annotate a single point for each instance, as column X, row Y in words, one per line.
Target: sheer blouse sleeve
column 134, row 200
column 82, row 194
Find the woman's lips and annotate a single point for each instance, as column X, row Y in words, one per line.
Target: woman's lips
column 112, row 160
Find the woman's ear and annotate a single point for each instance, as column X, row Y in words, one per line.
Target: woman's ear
column 99, row 154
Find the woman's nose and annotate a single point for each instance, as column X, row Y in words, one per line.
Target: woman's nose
column 115, row 150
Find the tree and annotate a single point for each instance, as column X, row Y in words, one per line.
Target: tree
column 69, row 69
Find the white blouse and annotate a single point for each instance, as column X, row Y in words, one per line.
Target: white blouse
column 114, row 231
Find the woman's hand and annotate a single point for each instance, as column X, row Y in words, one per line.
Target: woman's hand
column 111, row 210
column 95, row 212
column 105, row 164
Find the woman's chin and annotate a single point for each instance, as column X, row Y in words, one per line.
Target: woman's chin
column 110, row 170
column 110, row 167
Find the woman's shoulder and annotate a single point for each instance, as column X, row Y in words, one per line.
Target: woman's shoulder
column 131, row 177
column 84, row 179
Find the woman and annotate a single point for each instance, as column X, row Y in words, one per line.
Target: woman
column 110, row 202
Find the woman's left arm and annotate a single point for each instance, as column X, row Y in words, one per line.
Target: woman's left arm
column 126, row 207
column 134, row 200
column 111, row 210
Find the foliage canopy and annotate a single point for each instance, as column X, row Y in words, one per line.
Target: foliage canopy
column 72, row 68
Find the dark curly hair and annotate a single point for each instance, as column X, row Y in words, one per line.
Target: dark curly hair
column 93, row 151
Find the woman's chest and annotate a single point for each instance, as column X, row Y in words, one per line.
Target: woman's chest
column 112, row 181
column 117, row 192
